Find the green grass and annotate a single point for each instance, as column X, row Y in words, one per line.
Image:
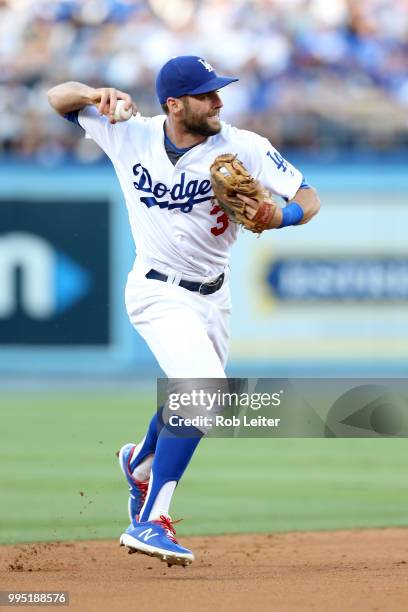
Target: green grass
column 54, row 447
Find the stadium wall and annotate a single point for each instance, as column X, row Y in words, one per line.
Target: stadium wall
column 327, row 299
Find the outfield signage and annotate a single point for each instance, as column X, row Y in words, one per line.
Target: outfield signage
column 351, row 278
column 330, row 296
column 54, row 272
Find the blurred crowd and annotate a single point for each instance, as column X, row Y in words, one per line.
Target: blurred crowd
column 314, row 74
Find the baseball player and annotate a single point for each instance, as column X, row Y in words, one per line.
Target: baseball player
column 177, row 295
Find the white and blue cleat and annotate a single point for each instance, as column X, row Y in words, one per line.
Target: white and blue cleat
column 156, row 538
column 137, row 488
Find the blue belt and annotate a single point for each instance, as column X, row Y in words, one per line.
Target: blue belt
column 202, row 288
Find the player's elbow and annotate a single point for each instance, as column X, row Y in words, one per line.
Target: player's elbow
column 53, row 98
column 310, row 203
column 60, row 98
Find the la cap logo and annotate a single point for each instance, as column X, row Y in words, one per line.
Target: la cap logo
column 206, row 65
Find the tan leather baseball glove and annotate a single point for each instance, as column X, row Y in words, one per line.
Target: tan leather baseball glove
column 229, row 177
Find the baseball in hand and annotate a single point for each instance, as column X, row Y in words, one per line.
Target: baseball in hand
column 120, row 113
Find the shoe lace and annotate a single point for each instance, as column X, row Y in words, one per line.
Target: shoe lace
column 142, row 485
column 168, row 526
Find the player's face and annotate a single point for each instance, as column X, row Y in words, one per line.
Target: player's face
column 202, row 114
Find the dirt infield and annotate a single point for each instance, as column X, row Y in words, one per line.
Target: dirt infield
column 344, row 570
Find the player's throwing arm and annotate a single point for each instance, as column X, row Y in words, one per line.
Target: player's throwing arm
column 116, row 105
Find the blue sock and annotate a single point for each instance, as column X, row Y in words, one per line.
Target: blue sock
column 149, row 444
column 172, row 456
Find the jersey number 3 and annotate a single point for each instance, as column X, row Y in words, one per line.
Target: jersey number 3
column 222, row 220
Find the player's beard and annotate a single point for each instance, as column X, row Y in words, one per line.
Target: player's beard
column 198, row 124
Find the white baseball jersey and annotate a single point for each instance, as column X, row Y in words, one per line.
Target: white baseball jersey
column 175, row 225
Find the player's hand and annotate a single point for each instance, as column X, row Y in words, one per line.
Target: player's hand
column 251, row 208
column 105, row 99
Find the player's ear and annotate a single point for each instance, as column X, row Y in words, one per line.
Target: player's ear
column 175, row 105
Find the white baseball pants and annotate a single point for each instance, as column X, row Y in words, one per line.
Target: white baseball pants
column 187, row 332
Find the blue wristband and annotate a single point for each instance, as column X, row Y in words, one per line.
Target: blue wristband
column 291, row 214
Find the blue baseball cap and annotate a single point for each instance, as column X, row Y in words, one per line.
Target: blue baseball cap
column 188, row 75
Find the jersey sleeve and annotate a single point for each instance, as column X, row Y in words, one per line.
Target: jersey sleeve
column 72, row 117
column 273, row 171
column 107, row 135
